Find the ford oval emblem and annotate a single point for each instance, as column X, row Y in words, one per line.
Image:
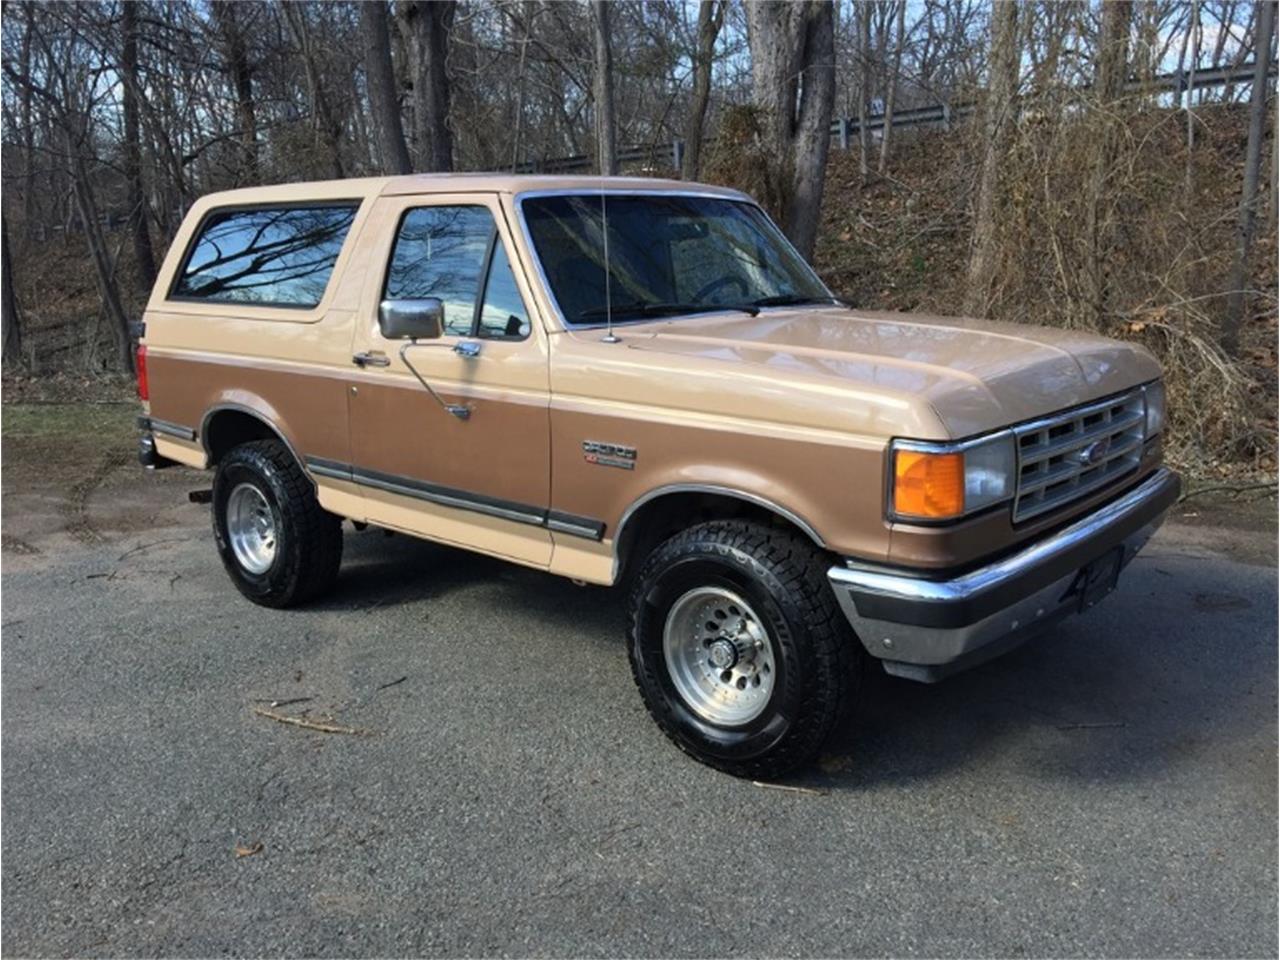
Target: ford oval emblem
column 1094, row 453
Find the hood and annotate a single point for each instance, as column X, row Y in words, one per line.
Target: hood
column 975, row 375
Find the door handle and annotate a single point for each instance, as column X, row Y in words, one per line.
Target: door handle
column 468, row 349
column 371, row 359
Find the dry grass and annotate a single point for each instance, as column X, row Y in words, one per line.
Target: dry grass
column 901, row 243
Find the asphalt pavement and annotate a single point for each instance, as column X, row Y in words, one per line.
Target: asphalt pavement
column 1107, row 790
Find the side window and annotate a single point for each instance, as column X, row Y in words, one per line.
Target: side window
column 267, row 256
column 502, row 314
column 441, row 252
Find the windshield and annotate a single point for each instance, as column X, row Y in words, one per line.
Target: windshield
column 668, row 254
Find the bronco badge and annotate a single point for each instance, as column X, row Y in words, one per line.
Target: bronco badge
column 609, row 454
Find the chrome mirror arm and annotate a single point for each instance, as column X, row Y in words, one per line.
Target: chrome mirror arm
column 460, row 411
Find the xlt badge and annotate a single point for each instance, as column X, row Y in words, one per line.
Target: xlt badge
column 609, row 454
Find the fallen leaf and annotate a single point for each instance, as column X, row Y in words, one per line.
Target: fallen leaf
column 249, row 851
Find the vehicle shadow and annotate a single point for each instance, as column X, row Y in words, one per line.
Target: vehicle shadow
column 1182, row 658
column 386, row 571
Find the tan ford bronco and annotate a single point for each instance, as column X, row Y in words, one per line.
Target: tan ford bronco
column 641, row 381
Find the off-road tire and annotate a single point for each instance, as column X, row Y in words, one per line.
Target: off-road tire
column 309, row 549
column 782, row 576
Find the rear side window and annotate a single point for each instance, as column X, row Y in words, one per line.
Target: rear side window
column 266, row 256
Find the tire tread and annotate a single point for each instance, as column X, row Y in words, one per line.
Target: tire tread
column 318, row 532
column 785, row 561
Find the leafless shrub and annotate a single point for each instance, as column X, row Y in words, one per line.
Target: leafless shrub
column 1162, row 253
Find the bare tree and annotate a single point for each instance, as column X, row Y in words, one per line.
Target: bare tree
column 1252, row 166
column 229, row 17
column 381, row 80
column 67, row 86
column 323, row 121
column 1109, row 83
column 28, row 125
column 1273, row 184
column 522, row 81
column 863, row 12
column 426, row 25
column 891, row 93
column 142, row 252
column 793, row 79
column 602, row 91
column 710, row 20
column 11, row 324
column 1002, row 86
column 1193, row 38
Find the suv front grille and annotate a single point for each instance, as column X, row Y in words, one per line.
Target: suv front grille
column 1074, row 453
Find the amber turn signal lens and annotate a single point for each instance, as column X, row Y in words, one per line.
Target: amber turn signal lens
column 929, row 485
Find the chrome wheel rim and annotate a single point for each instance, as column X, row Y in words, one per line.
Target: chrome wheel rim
column 719, row 656
column 251, row 528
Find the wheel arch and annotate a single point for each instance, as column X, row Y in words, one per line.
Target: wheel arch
column 227, row 425
column 666, row 509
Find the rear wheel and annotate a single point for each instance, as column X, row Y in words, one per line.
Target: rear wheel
column 277, row 543
column 738, row 646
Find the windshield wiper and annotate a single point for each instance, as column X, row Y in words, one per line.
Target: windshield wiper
column 649, row 309
column 794, row 300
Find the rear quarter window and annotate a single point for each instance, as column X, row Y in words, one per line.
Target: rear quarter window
column 265, row 256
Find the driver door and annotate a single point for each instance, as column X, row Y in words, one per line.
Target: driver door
column 482, row 481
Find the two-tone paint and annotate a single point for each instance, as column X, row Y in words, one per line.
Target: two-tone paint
column 791, row 410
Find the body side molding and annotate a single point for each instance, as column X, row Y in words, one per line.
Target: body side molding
column 554, row 520
column 166, row 427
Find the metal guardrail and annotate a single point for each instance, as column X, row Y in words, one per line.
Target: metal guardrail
column 845, row 129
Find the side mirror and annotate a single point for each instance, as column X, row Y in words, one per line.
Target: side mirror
column 411, row 319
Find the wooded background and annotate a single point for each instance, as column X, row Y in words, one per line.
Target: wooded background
column 1107, row 165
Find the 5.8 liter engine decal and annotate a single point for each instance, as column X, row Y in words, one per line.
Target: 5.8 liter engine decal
column 609, row 454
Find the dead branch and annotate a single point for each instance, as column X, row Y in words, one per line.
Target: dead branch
column 808, row 791
column 316, row 725
column 1269, row 486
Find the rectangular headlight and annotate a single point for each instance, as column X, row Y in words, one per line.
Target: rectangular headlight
column 1153, row 394
column 941, row 481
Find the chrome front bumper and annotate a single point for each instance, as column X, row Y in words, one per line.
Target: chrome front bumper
column 925, row 629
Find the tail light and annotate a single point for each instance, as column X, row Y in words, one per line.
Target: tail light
column 144, row 390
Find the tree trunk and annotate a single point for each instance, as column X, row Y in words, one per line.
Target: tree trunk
column 1001, row 90
column 425, row 26
column 135, row 198
column 1236, row 299
column 793, row 82
column 108, row 287
column 29, row 217
column 892, row 92
column 1193, row 32
column 11, row 324
column 1109, row 83
column 863, row 13
column 518, row 119
column 602, row 92
column 1273, row 184
column 227, row 15
column 323, row 120
column 710, row 19
column 381, row 81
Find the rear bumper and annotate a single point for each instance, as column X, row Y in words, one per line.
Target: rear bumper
column 926, row 629
column 148, row 456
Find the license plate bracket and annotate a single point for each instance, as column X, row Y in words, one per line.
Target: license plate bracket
column 1098, row 578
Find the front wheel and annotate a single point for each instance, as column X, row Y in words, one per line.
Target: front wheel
column 738, row 647
column 277, row 543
